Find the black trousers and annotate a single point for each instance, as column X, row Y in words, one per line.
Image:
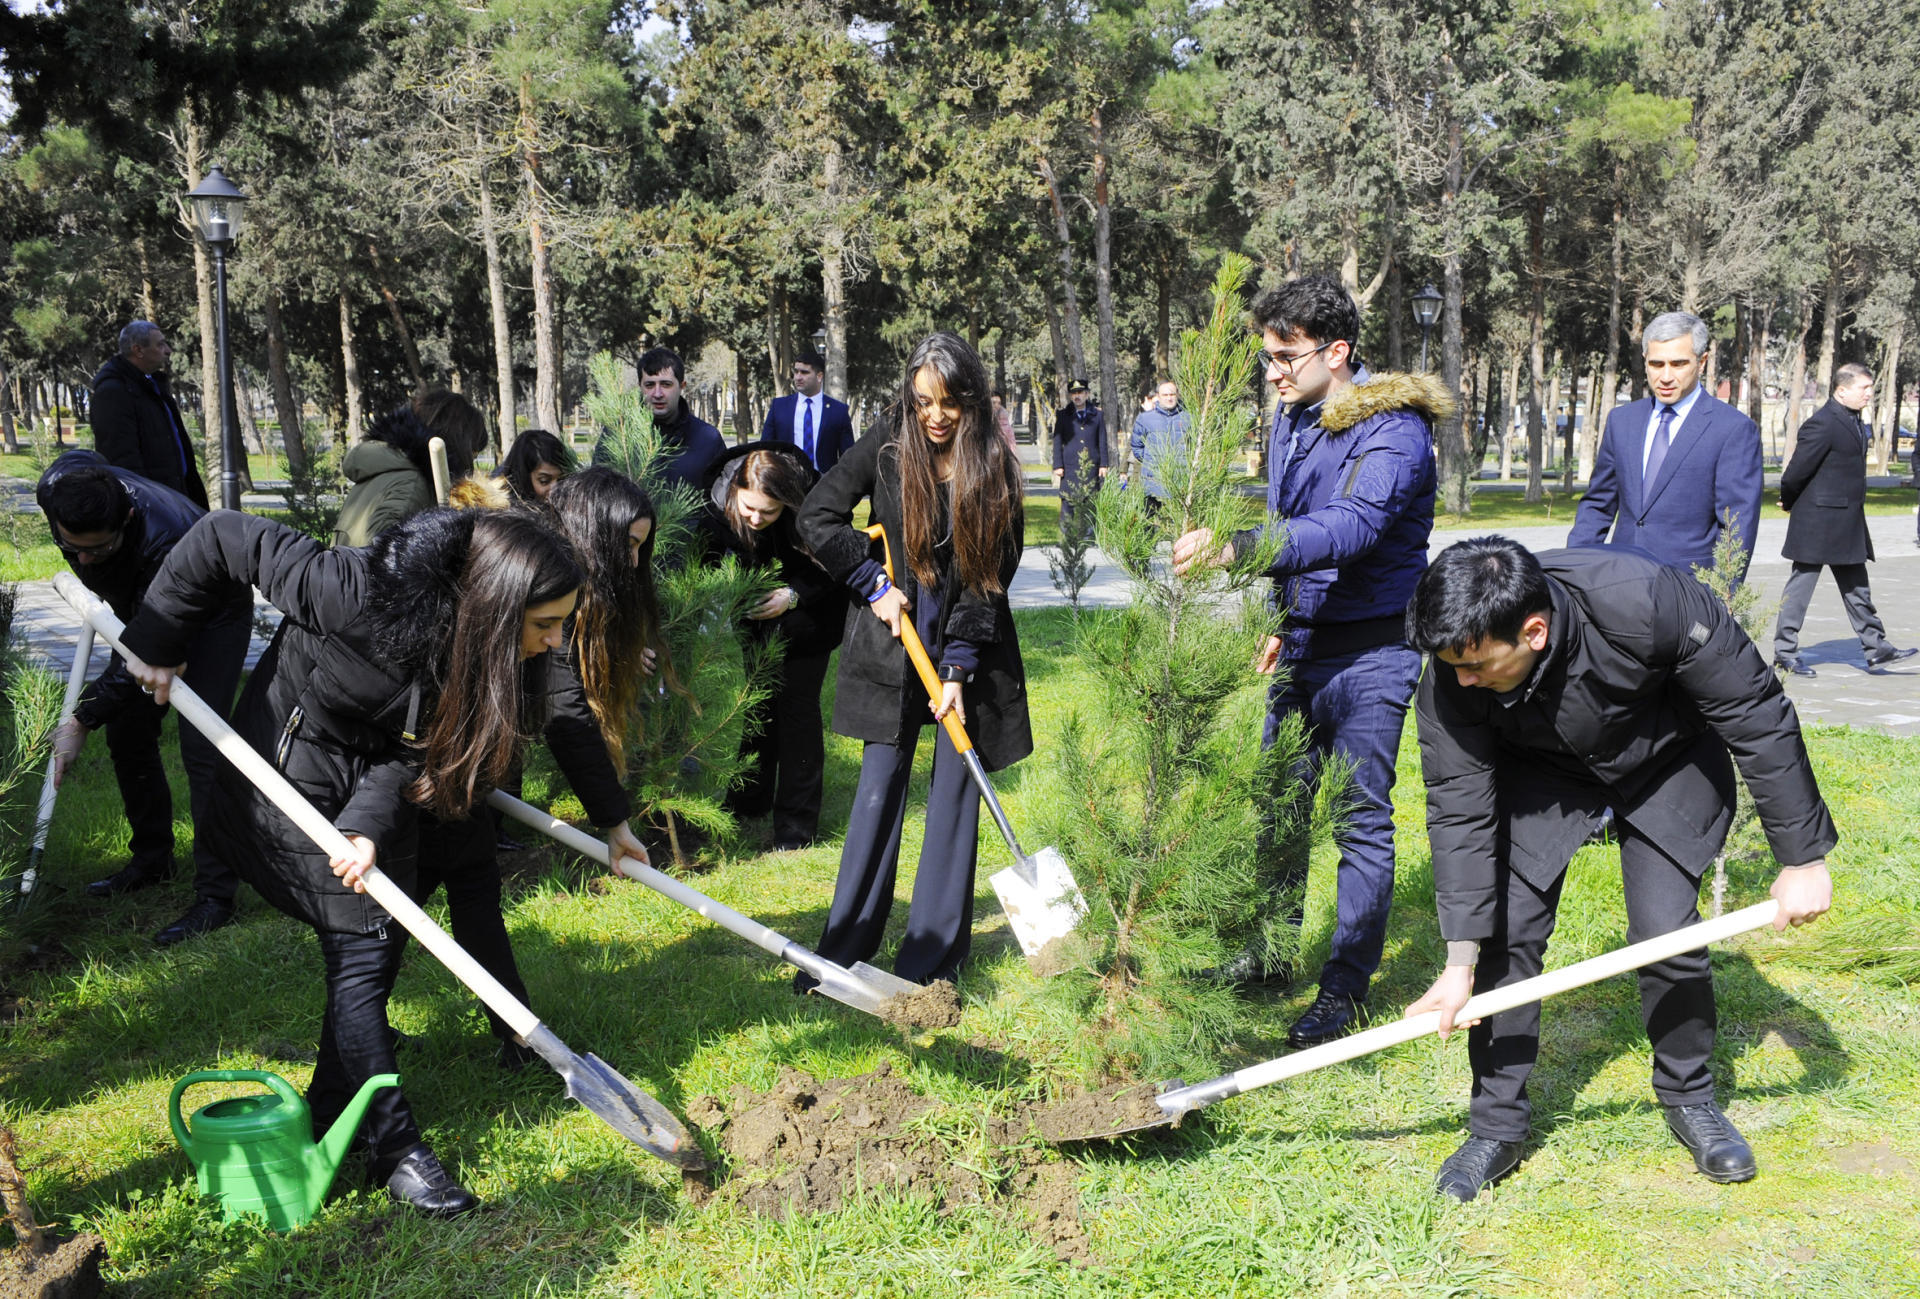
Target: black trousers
column 789, row 753
column 462, row 855
column 356, row 1043
column 1676, row 996
column 133, row 743
column 940, row 923
column 1852, row 581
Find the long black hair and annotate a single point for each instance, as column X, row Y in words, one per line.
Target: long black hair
column 986, row 479
column 529, row 451
column 618, row 617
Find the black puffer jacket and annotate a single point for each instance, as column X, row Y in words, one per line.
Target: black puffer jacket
column 160, row 519
column 875, row 679
column 812, row 627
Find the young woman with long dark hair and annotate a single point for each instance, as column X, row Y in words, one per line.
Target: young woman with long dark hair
column 613, row 640
column 395, row 683
column 534, row 465
column 948, row 491
column 752, row 506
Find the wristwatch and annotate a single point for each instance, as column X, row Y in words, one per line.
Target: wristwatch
column 793, row 599
column 948, row 672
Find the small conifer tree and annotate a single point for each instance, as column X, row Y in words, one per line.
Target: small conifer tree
column 1067, row 561
column 1755, row 615
column 685, row 735
column 1159, row 803
column 30, row 702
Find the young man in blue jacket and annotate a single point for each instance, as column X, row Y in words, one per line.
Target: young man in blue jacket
column 1351, row 487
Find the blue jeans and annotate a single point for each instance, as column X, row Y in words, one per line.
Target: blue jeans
column 1353, row 706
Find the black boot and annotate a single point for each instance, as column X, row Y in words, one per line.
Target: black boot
column 420, row 1182
column 131, row 878
column 204, row 916
column 1332, row 1015
column 1719, row 1151
column 1476, row 1165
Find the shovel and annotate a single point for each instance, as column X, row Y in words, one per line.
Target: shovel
column 590, row 1080
column 1037, row 892
column 862, row 987
column 1176, row 1100
column 43, row 817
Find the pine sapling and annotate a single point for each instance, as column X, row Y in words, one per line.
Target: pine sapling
column 1067, row 561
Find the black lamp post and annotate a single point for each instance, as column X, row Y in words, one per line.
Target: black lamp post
column 820, row 341
column 1426, row 310
column 216, row 212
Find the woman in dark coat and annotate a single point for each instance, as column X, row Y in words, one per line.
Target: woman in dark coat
column 395, row 681
column 752, row 510
column 947, row 490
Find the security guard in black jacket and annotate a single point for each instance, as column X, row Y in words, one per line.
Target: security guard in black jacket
column 1560, row 686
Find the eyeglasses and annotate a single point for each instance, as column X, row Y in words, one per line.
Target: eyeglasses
column 1290, row 363
column 101, row 551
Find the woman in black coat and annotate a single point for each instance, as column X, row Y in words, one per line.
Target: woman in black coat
column 394, row 682
column 752, row 506
column 947, row 490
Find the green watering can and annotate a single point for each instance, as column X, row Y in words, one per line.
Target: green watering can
column 257, row 1153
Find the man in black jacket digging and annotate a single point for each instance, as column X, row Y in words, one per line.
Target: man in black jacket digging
column 114, row 529
column 1559, row 686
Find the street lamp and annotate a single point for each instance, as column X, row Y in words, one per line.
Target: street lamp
column 820, row 341
column 1426, row 310
column 216, row 212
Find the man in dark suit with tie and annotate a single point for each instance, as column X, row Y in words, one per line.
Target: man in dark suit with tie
column 1824, row 491
column 809, row 419
column 1678, row 469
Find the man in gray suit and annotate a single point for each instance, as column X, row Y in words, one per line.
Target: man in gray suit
column 1824, row 491
column 1678, row 469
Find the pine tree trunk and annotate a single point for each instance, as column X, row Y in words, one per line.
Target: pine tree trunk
column 1076, row 345
column 546, row 323
column 1553, row 407
column 1163, row 327
column 1830, row 330
column 1589, row 434
column 1536, row 351
column 1610, row 354
column 507, row 426
column 407, row 348
column 1637, row 366
column 1759, row 336
column 9, row 436
column 1888, row 406
column 350, row 373
column 1396, row 317
column 148, row 298
column 1103, row 293
column 1509, row 409
column 1456, row 472
column 833, row 278
column 213, row 445
column 1060, row 360
column 1797, row 378
column 292, row 436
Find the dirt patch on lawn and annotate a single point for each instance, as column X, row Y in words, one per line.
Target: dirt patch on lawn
column 1101, row 1113
column 935, row 1006
column 807, row 1146
column 68, row 1270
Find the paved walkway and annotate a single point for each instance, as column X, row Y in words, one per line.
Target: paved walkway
column 1843, row 693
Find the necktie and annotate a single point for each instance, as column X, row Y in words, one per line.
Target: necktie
column 806, row 428
column 1657, row 453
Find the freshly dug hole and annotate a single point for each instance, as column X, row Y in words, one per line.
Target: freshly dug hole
column 807, row 1146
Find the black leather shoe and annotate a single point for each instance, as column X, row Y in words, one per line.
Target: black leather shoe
column 1247, row 971
column 421, row 1183
column 1888, row 654
column 1797, row 668
column 204, row 916
column 130, row 879
column 1332, row 1015
column 1476, row 1165
column 1719, row 1151
column 516, row 1055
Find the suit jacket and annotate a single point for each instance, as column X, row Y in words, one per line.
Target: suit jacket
column 137, row 426
column 833, row 439
column 1078, row 432
column 1710, row 483
column 1646, row 684
column 1824, row 490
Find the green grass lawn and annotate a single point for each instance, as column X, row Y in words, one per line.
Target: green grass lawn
column 1318, row 1186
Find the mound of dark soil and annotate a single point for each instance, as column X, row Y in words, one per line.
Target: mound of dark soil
column 935, row 1006
column 807, row 1146
column 67, row 1270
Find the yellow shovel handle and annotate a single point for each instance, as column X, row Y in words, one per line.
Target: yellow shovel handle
column 917, row 651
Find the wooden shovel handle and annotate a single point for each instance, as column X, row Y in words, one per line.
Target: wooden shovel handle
column 917, row 651
column 442, row 476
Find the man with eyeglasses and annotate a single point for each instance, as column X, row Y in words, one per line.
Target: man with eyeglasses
column 1350, row 486
column 115, row 528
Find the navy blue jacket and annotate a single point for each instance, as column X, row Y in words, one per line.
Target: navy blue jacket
column 1709, row 483
column 1356, row 506
column 160, row 519
column 1078, row 432
column 833, row 439
column 1157, row 434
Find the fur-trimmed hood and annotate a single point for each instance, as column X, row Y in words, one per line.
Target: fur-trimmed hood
column 1422, row 394
column 413, row 585
column 478, row 492
column 406, row 433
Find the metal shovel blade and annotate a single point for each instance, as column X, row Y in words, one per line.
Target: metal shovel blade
column 1040, row 898
column 622, row 1106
